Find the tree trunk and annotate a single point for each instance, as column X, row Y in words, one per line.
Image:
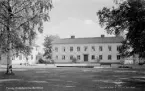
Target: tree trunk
column 9, row 64
column 9, row 61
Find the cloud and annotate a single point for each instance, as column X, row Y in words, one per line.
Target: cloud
column 74, row 26
column 88, row 22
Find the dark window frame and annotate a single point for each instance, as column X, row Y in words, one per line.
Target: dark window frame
column 64, row 49
column 78, row 48
column 93, row 48
column 109, row 57
column 100, row 57
column 109, row 48
column 85, row 48
column 118, row 57
column 100, row 48
column 71, row 49
column 63, row 57
column 93, row 57
column 71, row 57
column 118, row 48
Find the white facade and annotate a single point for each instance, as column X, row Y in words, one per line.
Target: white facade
column 21, row 59
column 62, row 53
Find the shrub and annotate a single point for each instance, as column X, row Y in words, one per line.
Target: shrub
column 123, row 66
column 45, row 61
column 74, row 60
column 97, row 60
column 41, row 61
column 52, row 61
column 141, row 64
column 49, row 61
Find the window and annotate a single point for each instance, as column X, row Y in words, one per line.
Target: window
column 109, row 57
column 118, row 48
column 78, row 48
column 63, row 57
column 118, row 57
column 93, row 48
column 78, row 57
column 71, row 57
column 56, row 49
column 56, row 57
column 93, row 57
column 63, row 49
column 109, row 48
column 100, row 48
column 71, row 49
column 85, row 48
column 100, row 57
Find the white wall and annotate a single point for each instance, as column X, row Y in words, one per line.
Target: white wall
column 3, row 59
column 16, row 60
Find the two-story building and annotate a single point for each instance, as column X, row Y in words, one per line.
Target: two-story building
column 21, row 59
column 90, row 49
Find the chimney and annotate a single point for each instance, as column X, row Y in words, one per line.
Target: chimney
column 72, row 37
column 102, row 36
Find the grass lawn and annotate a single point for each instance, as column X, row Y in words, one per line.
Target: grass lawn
column 70, row 79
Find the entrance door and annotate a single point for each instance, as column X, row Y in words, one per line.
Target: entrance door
column 85, row 57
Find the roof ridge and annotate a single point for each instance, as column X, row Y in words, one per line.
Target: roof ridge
column 90, row 37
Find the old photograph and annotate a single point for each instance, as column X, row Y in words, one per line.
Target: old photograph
column 72, row 45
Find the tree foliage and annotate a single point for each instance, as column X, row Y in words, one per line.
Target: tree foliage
column 48, row 45
column 19, row 21
column 129, row 15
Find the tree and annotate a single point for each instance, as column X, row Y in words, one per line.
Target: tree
column 19, row 21
column 74, row 60
column 129, row 16
column 97, row 59
column 48, row 45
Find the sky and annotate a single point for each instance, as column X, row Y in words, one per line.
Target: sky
column 74, row 17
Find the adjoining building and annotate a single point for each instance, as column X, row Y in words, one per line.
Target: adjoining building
column 90, row 49
column 22, row 59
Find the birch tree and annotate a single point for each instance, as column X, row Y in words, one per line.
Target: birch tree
column 19, row 22
column 48, row 45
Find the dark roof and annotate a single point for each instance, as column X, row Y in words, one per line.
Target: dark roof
column 91, row 40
